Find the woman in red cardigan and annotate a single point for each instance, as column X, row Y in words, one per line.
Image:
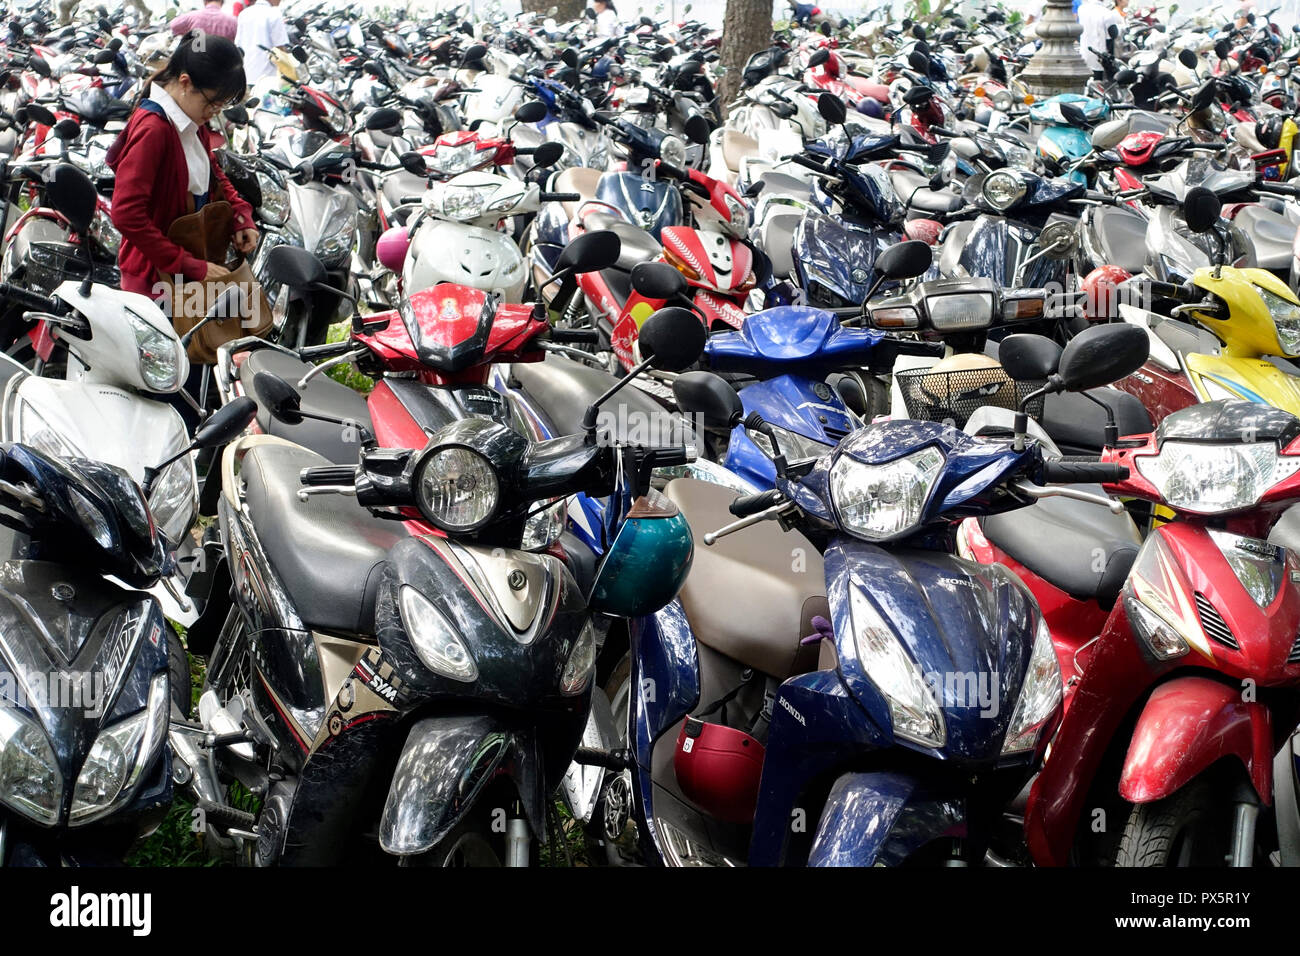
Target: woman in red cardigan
column 164, row 156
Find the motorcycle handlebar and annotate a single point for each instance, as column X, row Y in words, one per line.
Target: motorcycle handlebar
column 747, row 505
column 310, row 353
column 808, row 163
column 1083, row 472
column 328, row 475
column 32, row 301
column 582, row 336
column 559, row 197
column 1278, row 189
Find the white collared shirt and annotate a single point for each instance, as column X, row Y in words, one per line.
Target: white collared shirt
column 196, row 154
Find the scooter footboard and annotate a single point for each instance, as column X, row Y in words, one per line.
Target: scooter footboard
column 880, row 819
column 445, row 766
column 1187, row 724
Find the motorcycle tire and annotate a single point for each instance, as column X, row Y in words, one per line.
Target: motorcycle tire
column 471, row 843
column 1188, row 828
column 178, row 674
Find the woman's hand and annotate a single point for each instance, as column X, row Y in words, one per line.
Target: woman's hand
column 246, row 239
column 215, row 271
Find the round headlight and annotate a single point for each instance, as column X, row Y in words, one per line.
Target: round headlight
column 1281, row 68
column 1002, row 190
column 1002, row 100
column 672, row 151
column 457, row 489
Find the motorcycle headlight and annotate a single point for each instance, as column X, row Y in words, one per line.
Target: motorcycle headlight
column 580, row 664
column 105, row 233
column 463, row 203
column 1286, row 316
column 877, row 502
column 672, row 151
column 915, row 713
column 738, row 215
column 435, row 638
column 1002, row 100
column 1017, row 156
column 1209, row 479
column 32, row 429
column 1002, row 190
column 92, row 518
column 1040, row 695
column 451, row 160
column 793, row 445
column 1161, row 637
column 173, row 499
column 951, row 313
column 119, row 758
column 335, row 242
column 159, row 363
column 543, row 528
column 30, row 781
column 1282, row 68
column 457, row 489
column 275, row 200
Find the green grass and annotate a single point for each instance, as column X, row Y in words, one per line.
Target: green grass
column 347, row 374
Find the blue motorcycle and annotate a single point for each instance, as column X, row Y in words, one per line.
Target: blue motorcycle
column 874, row 699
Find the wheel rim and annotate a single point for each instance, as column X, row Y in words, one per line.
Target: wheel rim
column 471, row 849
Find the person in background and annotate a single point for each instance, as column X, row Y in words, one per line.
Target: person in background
column 211, row 20
column 1096, row 19
column 607, row 24
column 164, row 158
column 261, row 29
column 66, row 7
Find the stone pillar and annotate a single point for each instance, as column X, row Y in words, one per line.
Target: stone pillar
column 1057, row 67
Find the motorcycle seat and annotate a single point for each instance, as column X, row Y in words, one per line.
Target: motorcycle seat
column 1078, row 425
column 1122, row 234
column 736, row 146
column 635, row 244
column 576, row 179
column 1077, row 546
column 764, row 628
column 562, row 389
column 926, row 199
column 327, row 551
column 321, row 396
column 1272, row 234
column 783, row 184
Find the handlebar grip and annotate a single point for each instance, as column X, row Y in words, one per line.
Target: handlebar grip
column 407, row 200
column 1278, row 189
column 1083, row 472
column 559, row 197
column 31, row 301
column 328, row 475
column 312, row 352
column 671, row 171
column 943, row 131
column 807, row 163
column 747, row 505
column 584, row 336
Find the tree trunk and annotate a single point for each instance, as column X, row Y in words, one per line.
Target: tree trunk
column 568, row 9
column 746, row 29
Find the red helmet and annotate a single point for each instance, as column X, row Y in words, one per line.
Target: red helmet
column 1100, row 300
column 718, row 769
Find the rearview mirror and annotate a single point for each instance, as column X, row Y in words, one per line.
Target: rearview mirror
column 413, row 162
column 1027, row 357
column 281, row 400
column 384, row 118
column 907, row 260
column 67, row 129
column 1125, row 77
column 1201, row 209
column 533, row 111
column 570, row 58
column 709, row 396
column 38, row 65
column 299, row 53
column 103, row 56
column 39, row 115
column 1187, row 58
column 226, row 423
column 73, row 195
column 236, row 114
column 674, row 338
column 294, row 266
column 548, row 154
column 832, row 109
column 658, row 280
column 819, row 57
column 919, row 62
column 697, row 129
column 1102, row 354
column 1203, row 97
column 591, row 252
column 1073, row 114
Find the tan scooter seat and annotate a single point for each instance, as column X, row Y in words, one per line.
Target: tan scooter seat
column 743, row 597
column 735, row 147
column 576, row 179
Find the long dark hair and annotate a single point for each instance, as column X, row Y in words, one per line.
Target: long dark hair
column 215, row 66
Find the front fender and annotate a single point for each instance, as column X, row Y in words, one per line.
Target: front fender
column 1188, row 724
column 880, row 819
column 444, row 768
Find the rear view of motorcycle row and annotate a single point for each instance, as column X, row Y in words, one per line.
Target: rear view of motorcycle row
column 585, row 452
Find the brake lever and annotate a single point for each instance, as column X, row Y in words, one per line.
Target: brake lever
column 773, row 512
column 1063, row 491
column 307, row 492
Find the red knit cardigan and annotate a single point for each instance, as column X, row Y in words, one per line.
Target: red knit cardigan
column 150, row 192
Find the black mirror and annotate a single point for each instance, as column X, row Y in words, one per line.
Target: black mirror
column 697, row 129
column 919, row 62
column 71, row 192
column 115, row 44
column 907, row 260
column 690, row 68
column 1113, row 31
column 918, row 31
column 1073, row 114
column 1222, row 49
column 825, row 29
column 280, row 399
column 658, row 280
column 236, row 114
column 709, row 396
column 819, row 57
column 299, row 53
column 548, row 154
column 413, row 162
column 1203, row 97
column 646, row 21
column 665, row 55
column 1187, row 58
column 384, row 118
column 253, row 102
column 103, row 56
column 832, row 109
column 226, row 423
column 570, row 58
column 39, row 115
column 1102, row 354
column 674, row 337
column 38, row 65
column 105, row 25
column 474, row 54
column 294, row 266
column 1029, row 357
column 1166, row 82
column 373, row 68
column 531, row 112
column 590, row 252
column 67, row 129
column 923, row 48
column 1125, row 77
column 1201, row 209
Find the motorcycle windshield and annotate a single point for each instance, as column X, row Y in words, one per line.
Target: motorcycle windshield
column 835, row 263
column 649, row 203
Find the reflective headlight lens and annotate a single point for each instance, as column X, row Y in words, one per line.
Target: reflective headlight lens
column 434, row 638
column 464, row 203
column 672, row 151
column 92, row 518
column 34, row 430
column 1159, row 635
column 159, row 366
column 275, row 200
column 30, row 781
column 1286, row 316
column 543, row 528
column 739, row 214
column 950, row 313
column 457, row 489
column 452, row 160
column 105, row 233
column 1002, row 190
column 1040, row 695
column 1002, row 100
column 119, row 758
column 1208, row 479
column 884, row 501
column 173, row 499
column 912, row 707
column 793, row 445
column 581, row 663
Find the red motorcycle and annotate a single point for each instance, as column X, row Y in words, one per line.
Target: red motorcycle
column 1181, row 651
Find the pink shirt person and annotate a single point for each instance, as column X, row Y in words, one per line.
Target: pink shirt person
column 210, row 19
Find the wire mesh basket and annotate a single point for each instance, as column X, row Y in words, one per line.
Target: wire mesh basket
column 952, row 397
column 51, row 262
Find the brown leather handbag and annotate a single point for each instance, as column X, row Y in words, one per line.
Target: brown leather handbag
column 242, row 305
